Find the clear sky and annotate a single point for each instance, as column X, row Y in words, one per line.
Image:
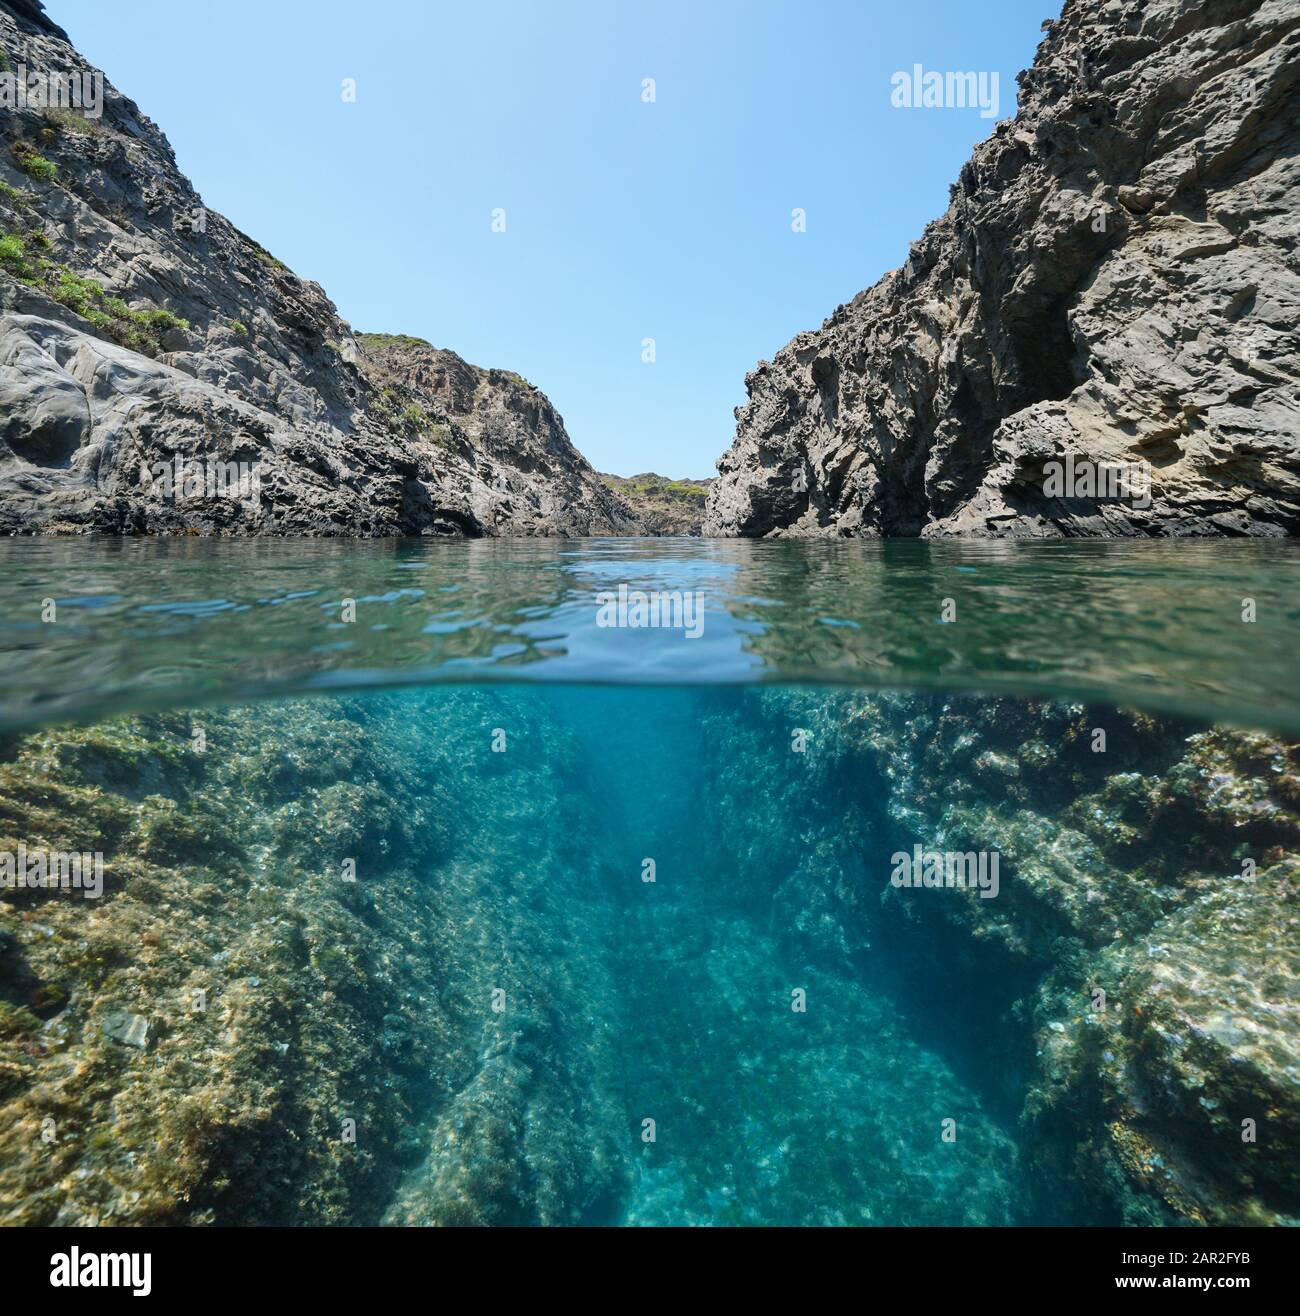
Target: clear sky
column 625, row 220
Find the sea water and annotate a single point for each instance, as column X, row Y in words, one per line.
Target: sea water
column 648, row 882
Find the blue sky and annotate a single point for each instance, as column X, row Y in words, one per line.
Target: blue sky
column 625, row 220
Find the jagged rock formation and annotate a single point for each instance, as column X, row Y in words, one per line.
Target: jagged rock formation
column 1132, row 984
column 1116, row 279
column 495, row 451
column 664, row 506
column 143, row 339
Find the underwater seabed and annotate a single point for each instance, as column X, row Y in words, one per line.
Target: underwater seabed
column 559, row 955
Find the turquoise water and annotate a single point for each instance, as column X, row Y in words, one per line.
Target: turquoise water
column 588, row 923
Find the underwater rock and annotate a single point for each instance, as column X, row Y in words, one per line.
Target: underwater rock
column 127, row 1028
column 1161, row 871
column 308, row 1024
column 1191, row 1071
column 411, row 980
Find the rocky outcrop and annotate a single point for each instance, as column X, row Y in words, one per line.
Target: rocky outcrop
column 1115, row 283
column 663, row 506
column 161, row 372
column 490, row 442
column 1133, row 981
column 304, row 979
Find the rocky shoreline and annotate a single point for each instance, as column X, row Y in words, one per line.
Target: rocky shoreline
column 145, row 340
column 1113, row 291
column 1114, row 283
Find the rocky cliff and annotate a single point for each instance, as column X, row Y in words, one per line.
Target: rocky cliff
column 1114, row 290
column 162, row 372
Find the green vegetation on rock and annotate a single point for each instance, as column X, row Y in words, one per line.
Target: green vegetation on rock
column 32, row 163
column 663, row 505
column 143, row 331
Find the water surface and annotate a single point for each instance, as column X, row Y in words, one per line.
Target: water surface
column 145, row 622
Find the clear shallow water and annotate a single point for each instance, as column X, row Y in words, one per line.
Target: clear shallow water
column 152, row 622
column 608, row 875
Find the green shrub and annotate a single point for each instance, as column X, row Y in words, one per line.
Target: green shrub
column 142, row 331
column 159, row 320
column 413, row 416
column 266, row 258
column 76, row 293
column 33, row 164
column 74, row 121
column 391, row 340
column 12, row 196
column 13, row 254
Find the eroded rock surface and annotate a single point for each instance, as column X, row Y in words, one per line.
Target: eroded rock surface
column 1115, row 279
column 141, row 331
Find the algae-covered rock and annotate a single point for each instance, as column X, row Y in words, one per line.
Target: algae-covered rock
column 351, row 964
column 1133, row 983
column 285, row 989
column 1190, row 1072
column 127, row 1028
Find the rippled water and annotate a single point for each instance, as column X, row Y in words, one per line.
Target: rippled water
column 145, row 621
column 475, row 909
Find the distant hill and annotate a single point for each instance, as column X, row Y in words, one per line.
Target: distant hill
column 663, row 506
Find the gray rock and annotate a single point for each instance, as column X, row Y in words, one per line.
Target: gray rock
column 1115, row 280
column 44, row 413
column 127, row 1028
column 191, row 344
